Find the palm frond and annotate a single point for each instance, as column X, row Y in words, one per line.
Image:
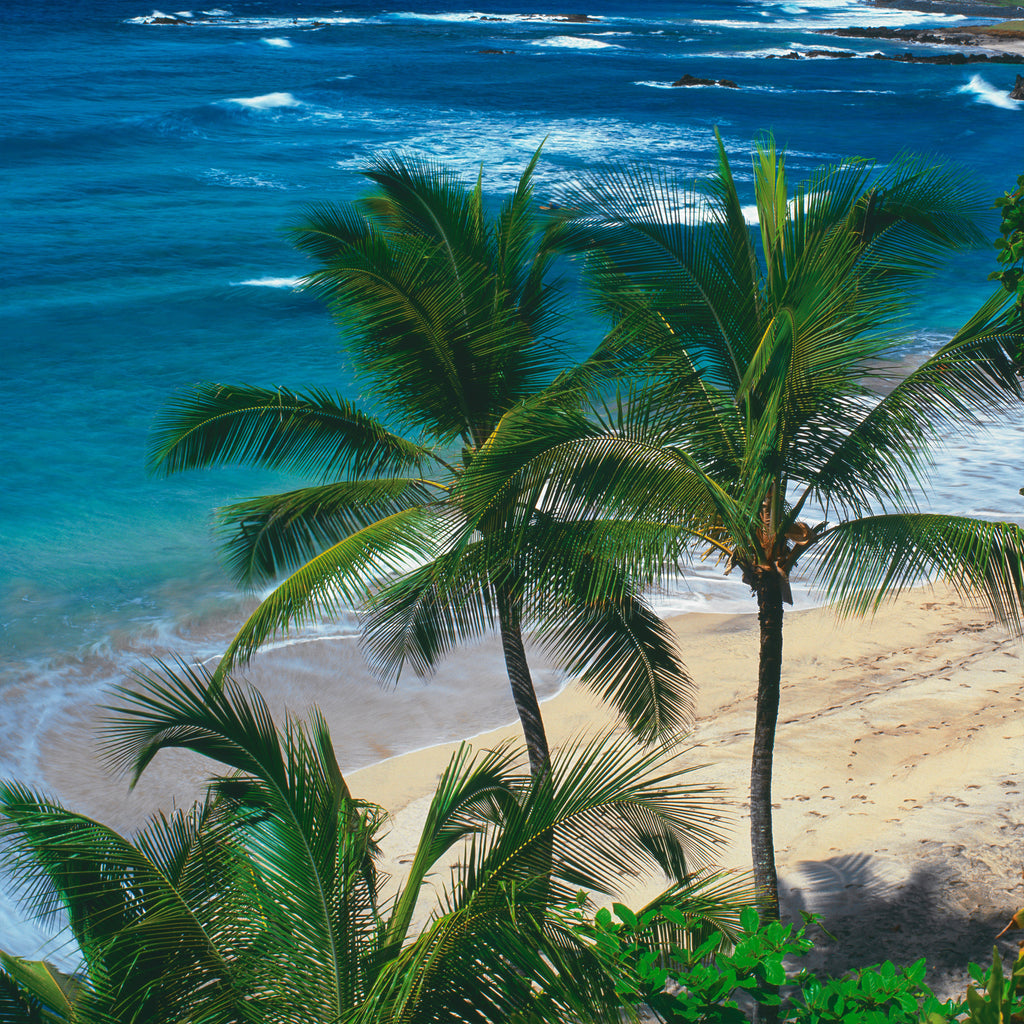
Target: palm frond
column 625, row 653
column 663, row 246
column 873, row 559
column 290, row 806
column 315, row 434
column 448, row 316
column 590, row 616
column 420, row 617
column 270, row 535
column 575, row 469
column 607, row 810
column 493, row 960
column 704, row 904
column 340, row 579
column 127, row 916
column 472, row 794
column 869, row 448
column 35, row 992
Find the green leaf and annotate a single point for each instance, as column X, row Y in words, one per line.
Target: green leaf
column 749, row 920
column 625, row 915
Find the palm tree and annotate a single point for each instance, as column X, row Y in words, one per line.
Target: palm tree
column 264, row 904
column 771, row 428
column 449, row 318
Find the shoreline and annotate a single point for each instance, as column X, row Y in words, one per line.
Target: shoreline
column 992, row 44
column 898, row 768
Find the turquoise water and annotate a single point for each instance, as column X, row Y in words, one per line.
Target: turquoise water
column 151, row 172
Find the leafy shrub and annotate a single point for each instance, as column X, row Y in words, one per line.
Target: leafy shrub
column 707, row 984
column 997, row 1000
column 1010, row 242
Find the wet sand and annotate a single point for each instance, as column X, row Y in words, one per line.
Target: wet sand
column 898, row 769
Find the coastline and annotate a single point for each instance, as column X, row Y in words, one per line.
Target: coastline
column 1000, row 42
column 898, row 762
column 898, row 774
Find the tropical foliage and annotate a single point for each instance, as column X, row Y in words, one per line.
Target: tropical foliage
column 1010, row 243
column 709, row 984
column 265, row 903
column 772, row 430
column 451, row 318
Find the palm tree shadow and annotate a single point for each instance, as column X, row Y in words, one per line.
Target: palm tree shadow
column 868, row 918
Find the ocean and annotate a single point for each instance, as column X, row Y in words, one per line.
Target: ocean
column 151, row 172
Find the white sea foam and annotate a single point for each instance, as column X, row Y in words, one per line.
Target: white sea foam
column 232, row 179
column 503, row 145
column 463, row 16
column 217, row 18
column 269, row 282
column 575, row 43
column 156, row 18
column 985, row 93
column 853, row 92
column 283, row 43
column 268, row 102
column 670, row 85
column 830, row 15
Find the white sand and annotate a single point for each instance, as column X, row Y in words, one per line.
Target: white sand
column 898, row 768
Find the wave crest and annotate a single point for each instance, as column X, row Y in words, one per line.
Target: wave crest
column 986, row 93
column 267, row 102
column 576, row 43
column 269, row 282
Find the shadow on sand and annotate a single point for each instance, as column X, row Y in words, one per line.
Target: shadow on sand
column 933, row 913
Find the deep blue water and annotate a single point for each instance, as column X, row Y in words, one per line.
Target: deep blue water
column 151, row 171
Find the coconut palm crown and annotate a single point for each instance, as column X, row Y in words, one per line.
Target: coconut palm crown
column 771, row 430
column 450, row 316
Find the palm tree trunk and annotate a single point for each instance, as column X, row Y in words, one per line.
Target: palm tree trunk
column 523, row 693
column 762, row 843
column 769, row 677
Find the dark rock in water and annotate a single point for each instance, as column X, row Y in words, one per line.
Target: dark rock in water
column 575, row 19
column 796, row 55
column 975, row 36
column 693, row 80
column 725, row 83
column 950, row 58
column 935, row 58
column 1017, row 93
column 828, row 53
column 495, row 51
column 167, row 19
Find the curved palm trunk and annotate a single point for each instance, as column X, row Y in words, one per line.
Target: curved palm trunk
column 762, row 843
column 519, row 678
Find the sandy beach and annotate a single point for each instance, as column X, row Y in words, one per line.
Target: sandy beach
column 898, row 770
